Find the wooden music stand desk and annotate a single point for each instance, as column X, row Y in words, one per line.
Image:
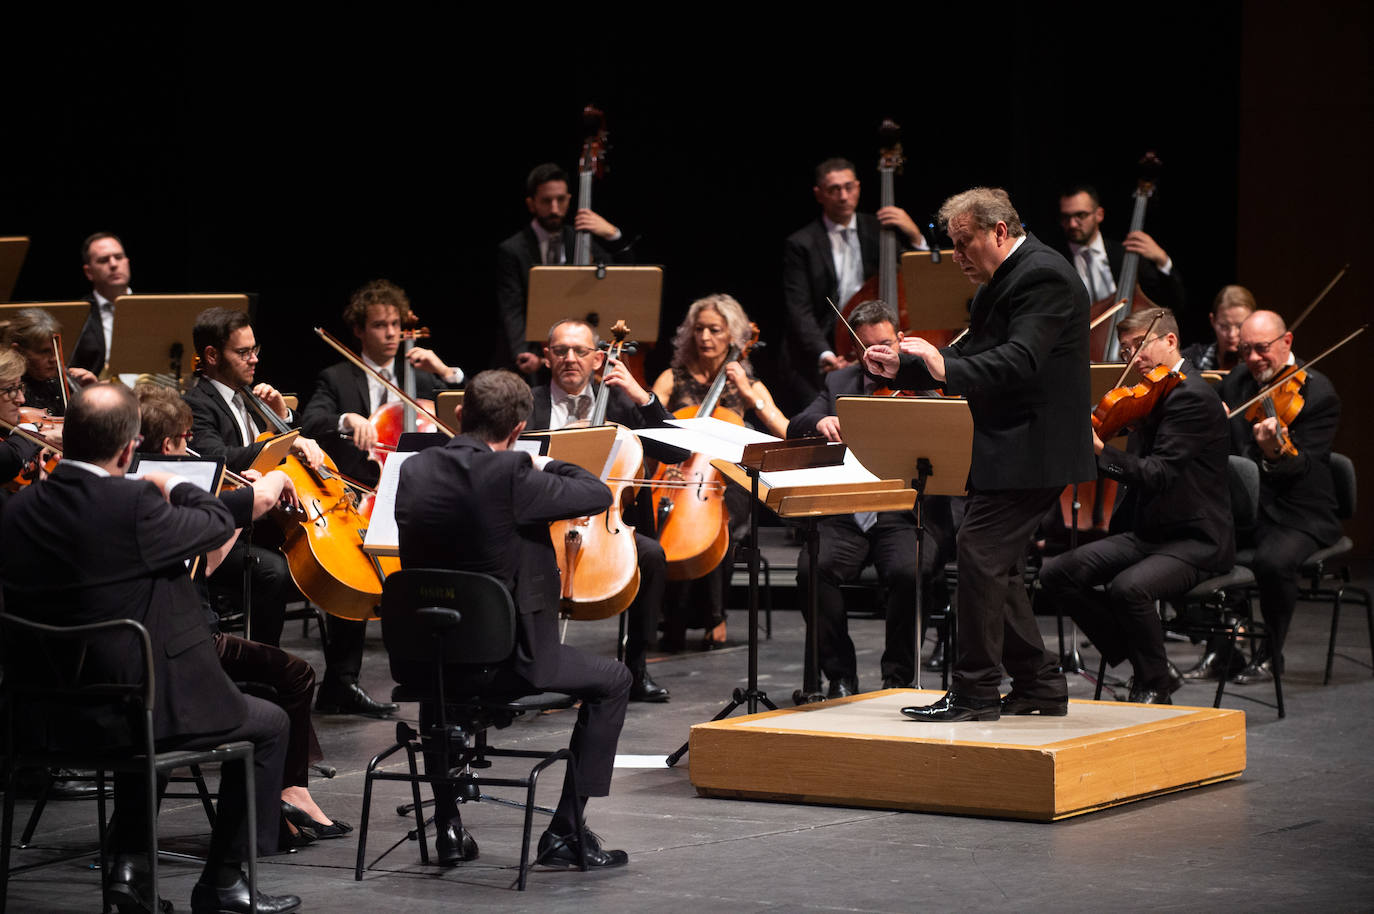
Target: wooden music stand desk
column 70, row 316
column 937, row 294
column 448, row 405
column 589, row 448
column 598, row 295
column 12, row 253
column 152, row 333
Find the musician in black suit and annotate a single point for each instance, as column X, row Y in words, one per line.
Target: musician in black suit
column 1098, row 260
column 573, row 357
column 848, row 542
column 477, row 505
column 88, row 545
column 225, row 423
column 1024, row 367
column 1297, row 513
column 345, row 397
column 1172, row 526
column 830, row 257
column 107, row 268
column 546, row 240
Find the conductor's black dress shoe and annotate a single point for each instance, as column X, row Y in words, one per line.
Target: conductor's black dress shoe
column 1024, row 704
column 130, row 888
column 843, row 687
column 643, row 688
column 560, row 852
column 955, row 707
column 453, row 844
column 208, row 899
column 349, row 698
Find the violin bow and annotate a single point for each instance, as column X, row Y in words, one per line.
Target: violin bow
column 1316, row 301
column 400, row 394
column 64, row 382
column 1143, row 340
column 1106, row 315
column 1293, row 369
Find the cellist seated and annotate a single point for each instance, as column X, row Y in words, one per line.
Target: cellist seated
column 1172, row 527
column 573, row 356
column 341, row 410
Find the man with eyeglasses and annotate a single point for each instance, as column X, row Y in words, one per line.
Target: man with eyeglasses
column 340, row 409
column 547, row 240
column 573, row 356
column 224, row 423
column 1172, row 527
column 1098, row 260
column 1297, row 495
column 887, row 539
column 830, row 257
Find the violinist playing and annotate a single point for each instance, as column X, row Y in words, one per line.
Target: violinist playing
column 1297, row 514
column 701, row 347
column 573, row 356
column 1172, row 526
column 31, row 331
column 340, row 411
column 1230, row 308
column 225, row 424
column 16, row 453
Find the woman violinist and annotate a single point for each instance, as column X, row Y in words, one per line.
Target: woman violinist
column 17, row 454
column 32, row 332
column 715, row 327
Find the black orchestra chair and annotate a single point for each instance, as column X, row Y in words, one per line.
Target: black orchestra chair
column 1321, row 578
column 47, row 682
column 450, row 635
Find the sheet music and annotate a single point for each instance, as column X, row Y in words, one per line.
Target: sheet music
column 712, row 437
column 203, row 474
column 849, row 471
column 382, row 536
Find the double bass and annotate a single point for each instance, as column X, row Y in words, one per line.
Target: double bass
column 1128, row 296
column 597, row 559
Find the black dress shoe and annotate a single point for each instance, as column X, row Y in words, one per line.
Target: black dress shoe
column 843, row 687
column 61, row 783
column 955, row 707
column 1211, row 668
column 130, row 889
column 560, row 852
column 645, row 689
column 1255, row 673
column 1175, row 677
column 936, row 661
column 302, row 820
column 1024, row 704
column 895, row 682
column 453, row 844
column 1150, row 697
column 349, row 698
column 291, row 837
column 207, row 899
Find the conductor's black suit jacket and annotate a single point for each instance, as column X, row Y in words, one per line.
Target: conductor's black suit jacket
column 466, row 507
column 342, row 388
column 80, row 548
column 1023, row 366
column 1177, row 499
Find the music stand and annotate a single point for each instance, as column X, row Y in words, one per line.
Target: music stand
column 152, row 333
column 937, row 292
column 631, row 294
column 70, row 316
column 448, row 408
column 12, row 252
column 809, row 497
column 589, row 448
column 934, row 453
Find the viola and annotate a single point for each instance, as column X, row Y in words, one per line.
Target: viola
column 883, row 284
column 689, row 497
column 1124, row 407
column 324, row 546
column 597, row 557
column 1283, row 402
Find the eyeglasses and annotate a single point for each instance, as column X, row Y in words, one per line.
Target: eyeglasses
column 138, row 441
column 1128, row 350
column 1080, row 216
column 561, row 352
column 185, row 436
column 12, row 392
column 247, row 352
column 834, row 190
column 1262, row 349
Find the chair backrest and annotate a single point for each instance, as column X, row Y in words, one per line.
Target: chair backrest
column 53, row 685
column 1243, row 476
column 1343, row 478
column 484, row 635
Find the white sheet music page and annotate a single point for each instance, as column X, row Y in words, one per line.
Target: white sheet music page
column 849, row 471
column 712, row 437
column 382, row 536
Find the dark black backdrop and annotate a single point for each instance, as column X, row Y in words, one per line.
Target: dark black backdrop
column 298, row 159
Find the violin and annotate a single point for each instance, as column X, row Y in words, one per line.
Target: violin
column 1128, row 296
column 1124, row 407
column 324, row 547
column 40, row 465
column 884, row 284
column 597, row 558
column 689, row 497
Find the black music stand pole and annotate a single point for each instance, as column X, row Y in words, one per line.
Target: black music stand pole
column 923, row 471
column 810, row 692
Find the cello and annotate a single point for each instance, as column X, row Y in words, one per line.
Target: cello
column 1128, row 295
column 689, row 497
column 597, row 559
column 884, row 284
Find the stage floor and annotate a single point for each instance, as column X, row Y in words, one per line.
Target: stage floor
column 861, row 751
